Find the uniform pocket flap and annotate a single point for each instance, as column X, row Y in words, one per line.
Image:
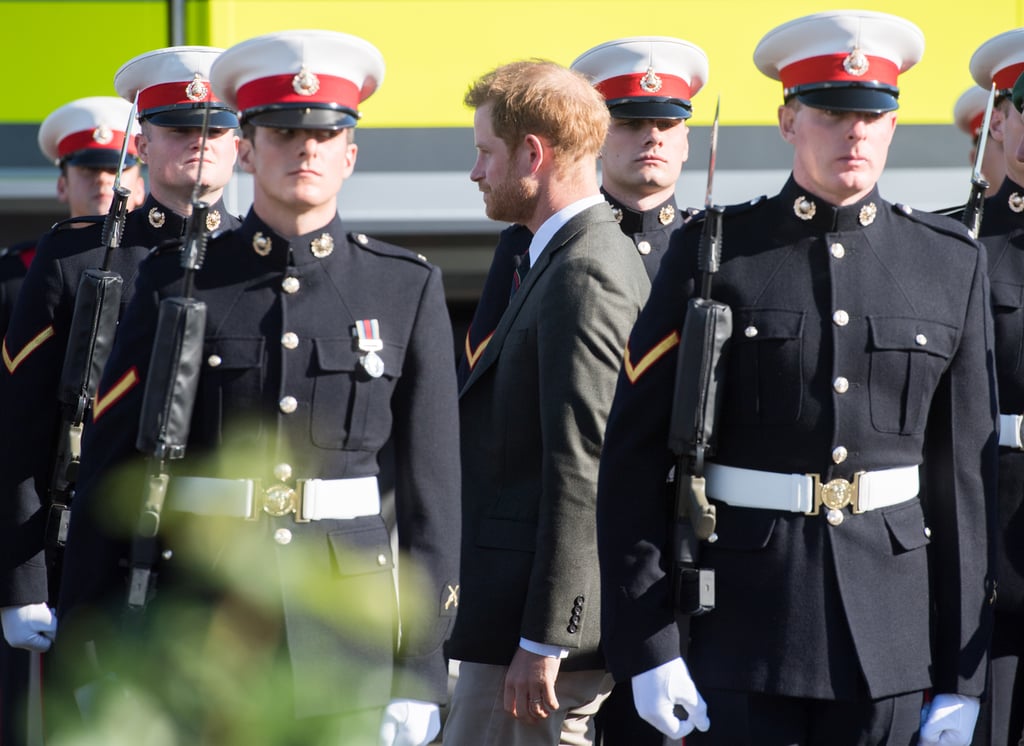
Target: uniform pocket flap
column 906, row 526
column 766, row 323
column 360, row 551
column 497, row 533
column 234, row 353
column 895, row 333
column 1007, row 294
column 338, row 354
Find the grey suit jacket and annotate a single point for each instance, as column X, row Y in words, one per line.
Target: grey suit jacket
column 533, row 415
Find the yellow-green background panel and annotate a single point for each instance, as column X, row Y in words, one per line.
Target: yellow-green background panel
column 56, row 51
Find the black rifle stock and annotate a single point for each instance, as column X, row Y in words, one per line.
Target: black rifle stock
column 169, row 397
column 90, row 339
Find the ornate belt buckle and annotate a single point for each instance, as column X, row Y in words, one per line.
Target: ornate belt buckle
column 835, row 495
column 280, row 500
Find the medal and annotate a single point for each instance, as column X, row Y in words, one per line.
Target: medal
column 366, row 334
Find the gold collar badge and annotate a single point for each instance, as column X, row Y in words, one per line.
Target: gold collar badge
column 650, row 82
column 867, row 214
column 856, row 63
column 213, row 220
column 261, row 244
column 157, row 217
column 1016, row 202
column 803, row 208
column 616, row 212
column 197, row 90
column 322, row 246
column 667, row 214
column 305, row 83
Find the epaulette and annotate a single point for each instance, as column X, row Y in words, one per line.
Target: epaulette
column 17, row 249
column 66, row 223
column 940, row 223
column 386, row 249
column 951, row 212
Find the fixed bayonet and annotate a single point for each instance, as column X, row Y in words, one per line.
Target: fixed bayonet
column 113, row 225
column 976, row 201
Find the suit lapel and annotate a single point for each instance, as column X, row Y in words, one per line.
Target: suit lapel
column 551, row 253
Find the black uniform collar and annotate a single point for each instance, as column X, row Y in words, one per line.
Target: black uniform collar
column 803, row 209
column 634, row 221
column 161, row 218
column 1009, row 198
column 314, row 246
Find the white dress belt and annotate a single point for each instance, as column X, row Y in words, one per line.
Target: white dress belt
column 1009, row 431
column 310, row 500
column 803, row 493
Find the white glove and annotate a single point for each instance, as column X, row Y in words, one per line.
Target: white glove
column 410, row 722
column 658, row 691
column 31, row 627
column 950, row 721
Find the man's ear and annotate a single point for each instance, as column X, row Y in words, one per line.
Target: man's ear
column 535, row 153
column 245, row 155
column 787, row 122
column 62, row 189
column 997, row 124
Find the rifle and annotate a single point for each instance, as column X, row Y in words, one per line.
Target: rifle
column 976, row 201
column 696, row 403
column 90, row 339
column 169, row 395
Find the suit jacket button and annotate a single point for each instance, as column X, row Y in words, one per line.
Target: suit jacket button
column 571, row 629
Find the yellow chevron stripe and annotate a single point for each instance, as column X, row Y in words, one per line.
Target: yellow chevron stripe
column 471, row 355
column 124, row 384
column 33, row 345
column 633, row 372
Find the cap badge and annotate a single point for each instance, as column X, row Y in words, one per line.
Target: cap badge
column 366, row 335
column 616, row 212
column 667, row 214
column 305, row 83
column 803, row 208
column 856, row 63
column 867, row 214
column 261, row 244
column 650, row 82
column 157, row 217
column 322, row 246
column 102, row 134
column 197, row 90
column 1016, row 202
column 213, row 220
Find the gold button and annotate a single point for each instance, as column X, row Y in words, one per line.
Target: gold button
column 382, row 560
column 290, row 284
column 644, row 247
column 834, row 517
column 921, row 339
column 283, row 536
column 841, row 318
column 839, row 454
column 362, row 239
column 750, row 331
column 838, row 250
column 214, row 360
column 288, row 404
column 283, row 472
column 841, row 385
column 289, row 340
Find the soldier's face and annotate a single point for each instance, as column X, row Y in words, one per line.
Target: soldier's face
column 643, row 157
column 173, row 156
column 298, row 169
column 502, row 176
column 839, row 156
column 89, row 191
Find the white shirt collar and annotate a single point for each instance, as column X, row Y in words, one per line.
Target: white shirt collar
column 552, row 225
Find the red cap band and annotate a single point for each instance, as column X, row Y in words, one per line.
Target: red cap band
column 84, row 140
column 628, row 86
column 280, row 89
column 975, row 123
column 829, row 67
column 1005, row 78
column 169, row 94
